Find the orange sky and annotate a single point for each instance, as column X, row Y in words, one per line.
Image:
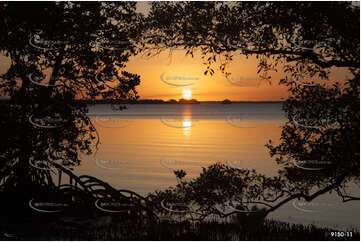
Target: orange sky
column 216, row 87
column 207, row 88
column 203, row 88
column 154, row 72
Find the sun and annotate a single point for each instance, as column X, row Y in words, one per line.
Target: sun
column 187, row 94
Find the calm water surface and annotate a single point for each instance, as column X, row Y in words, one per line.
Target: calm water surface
column 141, row 145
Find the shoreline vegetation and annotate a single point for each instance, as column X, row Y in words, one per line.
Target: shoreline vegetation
column 159, row 101
column 60, row 58
column 62, row 228
column 138, row 220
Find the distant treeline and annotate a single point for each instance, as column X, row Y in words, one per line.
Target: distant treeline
column 144, row 101
column 156, row 101
column 172, row 101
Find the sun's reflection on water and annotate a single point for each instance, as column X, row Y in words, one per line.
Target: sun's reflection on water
column 187, row 126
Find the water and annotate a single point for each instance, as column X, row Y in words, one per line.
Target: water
column 141, row 145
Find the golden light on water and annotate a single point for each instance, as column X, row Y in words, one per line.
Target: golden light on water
column 187, row 126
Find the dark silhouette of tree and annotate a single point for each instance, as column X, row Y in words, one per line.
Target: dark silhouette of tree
column 40, row 145
column 63, row 55
column 299, row 36
column 41, row 132
column 319, row 147
column 84, row 47
column 60, row 53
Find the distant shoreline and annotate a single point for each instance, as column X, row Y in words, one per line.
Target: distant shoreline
column 157, row 101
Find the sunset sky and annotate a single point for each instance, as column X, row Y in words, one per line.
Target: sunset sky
column 203, row 88
column 207, row 88
column 243, row 85
column 216, row 87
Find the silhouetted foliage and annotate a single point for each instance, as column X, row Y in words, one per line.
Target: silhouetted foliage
column 82, row 49
column 319, row 147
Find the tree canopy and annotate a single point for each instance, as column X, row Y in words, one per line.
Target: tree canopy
column 63, row 51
